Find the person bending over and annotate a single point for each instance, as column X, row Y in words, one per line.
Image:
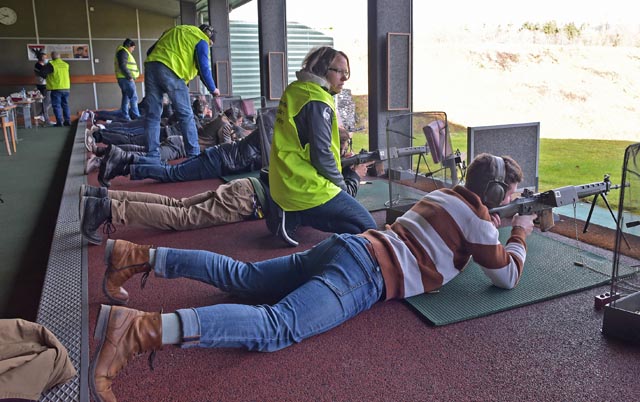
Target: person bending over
column 317, row 289
column 178, row 56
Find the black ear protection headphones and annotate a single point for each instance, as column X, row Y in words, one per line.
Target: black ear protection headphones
column 496, row 187
column 209, row 31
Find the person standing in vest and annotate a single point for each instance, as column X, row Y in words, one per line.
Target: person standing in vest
column 181, row 53
column 58, row 85
column 306, row 183
column 127, row 72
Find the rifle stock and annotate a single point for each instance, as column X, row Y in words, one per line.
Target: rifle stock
column 543, row 203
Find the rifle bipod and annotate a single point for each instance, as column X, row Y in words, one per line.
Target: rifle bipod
column 606, row 202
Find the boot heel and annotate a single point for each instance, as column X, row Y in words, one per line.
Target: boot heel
column 101, row 324
column 81, row 207
column 108, row 250
column 81, row 193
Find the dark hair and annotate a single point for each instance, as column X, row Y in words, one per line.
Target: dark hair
column 319, row 60
column 233, row 114
column 128, row 43
column 209, row 31
column 198, row 107
column 481, row 171
column 40, row 55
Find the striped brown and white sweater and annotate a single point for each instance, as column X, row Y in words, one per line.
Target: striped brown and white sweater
column 433, row 242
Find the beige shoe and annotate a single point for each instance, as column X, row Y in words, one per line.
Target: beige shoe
column 92, row 165
column 89, row 141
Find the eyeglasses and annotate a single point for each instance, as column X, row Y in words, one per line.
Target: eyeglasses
column 345, row 73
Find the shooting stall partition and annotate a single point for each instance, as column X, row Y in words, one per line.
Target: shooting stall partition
column 519, row 141
column 621, row 318
column 410, row 172
column 223, row 78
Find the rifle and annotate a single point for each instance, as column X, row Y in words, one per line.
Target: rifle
column 543, row 203
column 381, row 155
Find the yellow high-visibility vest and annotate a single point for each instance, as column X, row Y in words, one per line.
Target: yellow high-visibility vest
column 59, row 79
column 294, row 182
column 176, row 50
column 131, row 64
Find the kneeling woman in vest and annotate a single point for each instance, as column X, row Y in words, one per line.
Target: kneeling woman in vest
column 304, row 164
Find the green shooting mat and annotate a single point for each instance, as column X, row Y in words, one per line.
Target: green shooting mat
column 373, row 194
column 550, row 271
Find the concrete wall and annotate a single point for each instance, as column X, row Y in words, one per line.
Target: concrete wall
column 100, row 23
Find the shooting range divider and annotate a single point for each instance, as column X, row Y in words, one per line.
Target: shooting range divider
column 520, row 141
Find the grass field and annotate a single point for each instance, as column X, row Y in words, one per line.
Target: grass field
column 562, row 162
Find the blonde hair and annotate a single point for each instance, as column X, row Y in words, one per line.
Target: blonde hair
column 319, row 59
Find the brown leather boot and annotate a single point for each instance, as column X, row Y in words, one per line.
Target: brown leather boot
column 124, row 259
column 123, row 334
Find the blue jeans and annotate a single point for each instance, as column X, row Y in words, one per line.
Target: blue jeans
column 159, row 79
column 113, row 115
column 207, row 165
column 342, row 214
column 131, row 126
column 60, row 105
column 129, row 98
column 171, row 148
column 317, row 289
column 111, row 137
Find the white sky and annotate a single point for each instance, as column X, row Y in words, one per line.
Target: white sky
column 343, row 14
column 346, row 20
column 514, row 11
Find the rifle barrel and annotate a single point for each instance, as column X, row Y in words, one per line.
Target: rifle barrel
column 382, row 154
column 550, row 199
column 586, row 190
column 362, row 157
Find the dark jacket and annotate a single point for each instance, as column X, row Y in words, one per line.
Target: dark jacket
column 40, row 71
column 352, row 180
column 247, row 154
column 241, row 156
column 123, row 57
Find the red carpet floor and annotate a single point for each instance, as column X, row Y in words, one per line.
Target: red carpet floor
column 550, row 351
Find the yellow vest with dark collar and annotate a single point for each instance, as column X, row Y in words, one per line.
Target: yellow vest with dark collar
column 131, row 64
column 294, row 182
column 176, row 50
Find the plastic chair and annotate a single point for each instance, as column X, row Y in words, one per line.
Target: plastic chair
column 6, row 124
column 436, row 133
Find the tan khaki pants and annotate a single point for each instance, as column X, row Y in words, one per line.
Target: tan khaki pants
column 230, row 202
